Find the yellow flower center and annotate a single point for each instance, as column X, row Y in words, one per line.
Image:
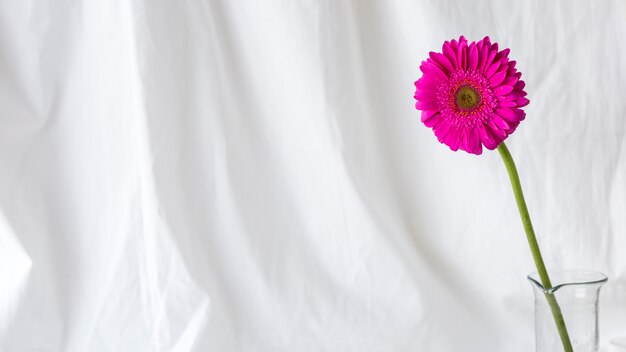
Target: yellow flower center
column 467, row 98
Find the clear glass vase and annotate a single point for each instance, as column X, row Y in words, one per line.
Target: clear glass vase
column 576, row 293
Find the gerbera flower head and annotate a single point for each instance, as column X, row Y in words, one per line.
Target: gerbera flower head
column 471, row 95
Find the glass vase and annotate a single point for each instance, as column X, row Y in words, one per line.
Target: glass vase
column 576, row 293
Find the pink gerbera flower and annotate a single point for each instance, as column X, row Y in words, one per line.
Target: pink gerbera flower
column 470, row 95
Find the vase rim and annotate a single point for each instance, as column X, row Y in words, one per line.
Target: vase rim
column 564, row 278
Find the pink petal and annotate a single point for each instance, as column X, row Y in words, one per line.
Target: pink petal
column 473, row 57
column 437, row 72
column 486, row 41
column 441, row 129
column 508, row 104
column 487, row 139
column 455, row 46
column 509, row 97
column 426, row 105
column 510, row 81
column 497, row 133
column 513, row 127
column 425, row 91
column 453, row 139
column 425, row 94
column 496, row 79
column 508, row 114
column 443, row 61
column 427, row 114
column 462, row 40
column 423, row 86
column 432, row 60
column 503, row 54
column 500, row 122
column 426, row 82
column 503, row 90
column 464, row 141
column 492, row 69
column 474, row 142
column 489, row 60
column 462, row 55
column 521, row 102
column 511, row 69
column 450, row 55
column 430, row 118
column 482, row 58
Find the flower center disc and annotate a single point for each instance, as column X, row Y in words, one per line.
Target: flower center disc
column 467, row 98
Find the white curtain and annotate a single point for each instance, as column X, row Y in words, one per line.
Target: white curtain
column 252, row 176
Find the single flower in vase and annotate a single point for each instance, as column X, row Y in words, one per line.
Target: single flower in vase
column 471, row 95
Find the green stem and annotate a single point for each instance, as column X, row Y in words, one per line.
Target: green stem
column 534, row 246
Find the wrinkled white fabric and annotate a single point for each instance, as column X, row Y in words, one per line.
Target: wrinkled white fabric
column 252, row 176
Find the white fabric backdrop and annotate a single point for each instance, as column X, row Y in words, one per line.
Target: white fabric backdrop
column 252, row 176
